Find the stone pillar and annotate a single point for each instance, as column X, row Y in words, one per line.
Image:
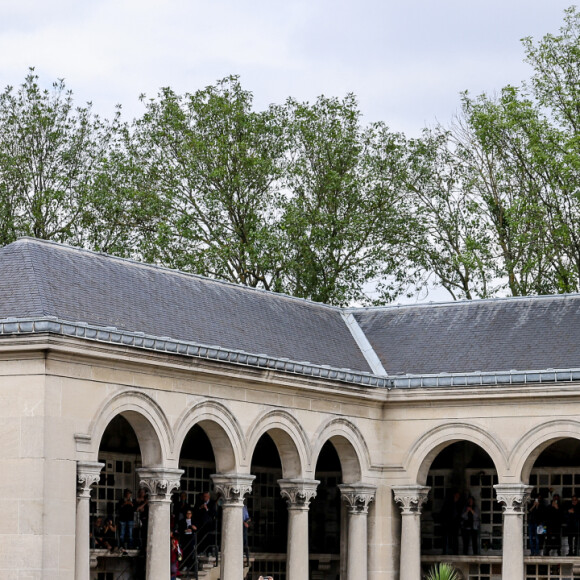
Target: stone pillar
column 357, row 499
column 88, row 473
column 160, row 483
column 513, row 496
column 297, row 493
column 232, row 488
column 410, row 499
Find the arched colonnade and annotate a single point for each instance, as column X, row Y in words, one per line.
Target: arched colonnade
column 161, row 440
column 513, row 469
column 160, row 444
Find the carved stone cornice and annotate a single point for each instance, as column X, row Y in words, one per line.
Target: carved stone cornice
column 410, row 498
column 298, row 492
column 357, row 497
column 160, row 482
column 233, row 487
column 88, row 473
column 513, row 496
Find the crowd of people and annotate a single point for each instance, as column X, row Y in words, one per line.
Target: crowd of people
column 126, row 529
column 460, row 517
column 190, row 525
column 548, row 522
column 190, row 532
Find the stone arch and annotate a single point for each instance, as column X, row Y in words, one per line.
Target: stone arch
column 221, row 427
column 146, row 418
column 530, row 446
column 290, row 440
column 350, row 446
column 430, row 444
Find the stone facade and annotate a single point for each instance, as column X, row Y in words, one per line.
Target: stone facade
column 59, row 393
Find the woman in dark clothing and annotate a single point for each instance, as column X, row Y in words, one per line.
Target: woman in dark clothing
column 126, row 519
column 554, row 525
column 110, row 533
column 188, row 539
column 451, row 518
column 536, row 513
column 470, row 527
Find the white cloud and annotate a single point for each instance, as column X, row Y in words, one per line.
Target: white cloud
column 406, row 61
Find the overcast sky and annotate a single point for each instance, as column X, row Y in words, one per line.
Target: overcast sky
column 406, row 60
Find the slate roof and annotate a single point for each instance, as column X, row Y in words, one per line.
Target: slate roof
column 51, row 287
column 540, row 332
column 39, row 278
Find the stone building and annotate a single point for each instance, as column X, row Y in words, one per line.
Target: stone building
column 344, row 429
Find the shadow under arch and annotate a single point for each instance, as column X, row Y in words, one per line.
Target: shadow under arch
column 430, row 444
column 145, row 417
column 222, row 429
column 350, row 446
column 530, row 446
column 290, row 440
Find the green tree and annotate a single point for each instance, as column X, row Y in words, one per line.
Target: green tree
column 513, row 162
column 344, row 211
column 492, row 140
column 48, row 154
column 65, row 175
column 450, row 246
column 120, row 217
column 214, row 164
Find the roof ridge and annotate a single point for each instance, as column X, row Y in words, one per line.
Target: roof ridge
column 345, row 310
column 534, row 297
column 173, row 271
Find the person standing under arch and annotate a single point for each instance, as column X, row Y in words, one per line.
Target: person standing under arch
column 470, row 527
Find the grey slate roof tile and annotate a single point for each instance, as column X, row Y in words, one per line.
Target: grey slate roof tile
column 39, row 279
column 42, row 278
column 538, row 332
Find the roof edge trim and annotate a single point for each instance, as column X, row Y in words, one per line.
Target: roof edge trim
column 363, row 343
column 486, row 379
column 112, row 335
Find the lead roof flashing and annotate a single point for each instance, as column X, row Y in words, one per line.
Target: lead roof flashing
column 363, row 343
column 111, row 335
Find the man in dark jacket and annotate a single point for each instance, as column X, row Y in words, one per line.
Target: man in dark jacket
column 204, row 512
column 573, row 523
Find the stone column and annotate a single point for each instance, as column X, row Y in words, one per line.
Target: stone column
column 410, row 499
column 88, row 473
column 513, row 496
column 160, row 483
column 297, row 493
column 357, row 499
column 232, row 488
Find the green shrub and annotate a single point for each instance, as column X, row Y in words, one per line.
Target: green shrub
column 442, row 572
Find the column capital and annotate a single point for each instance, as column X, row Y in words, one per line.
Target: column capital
column 513, row 496
column 298, row 492
column 88, row 473
column 232, row 487
column 160, row 482
column 357, row 496
column 410, row 498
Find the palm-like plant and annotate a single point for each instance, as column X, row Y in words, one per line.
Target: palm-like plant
column 442, row 572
